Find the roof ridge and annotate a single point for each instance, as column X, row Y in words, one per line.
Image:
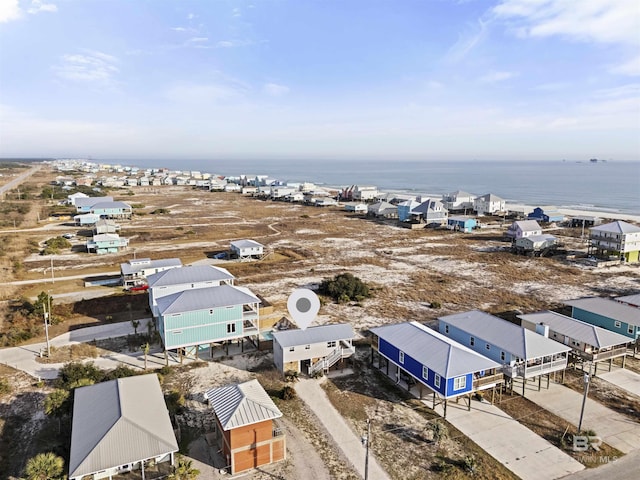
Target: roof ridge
column 131, row 421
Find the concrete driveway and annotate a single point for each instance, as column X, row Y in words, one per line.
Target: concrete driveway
column 615, row 429
column 523, row 452
column 623, row 378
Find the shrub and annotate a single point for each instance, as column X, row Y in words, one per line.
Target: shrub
column 5, row 388
column 287, row 392
column 436, row 304
column 175, row 401
column 74, row 374
column 158, row 211
column 344, row 288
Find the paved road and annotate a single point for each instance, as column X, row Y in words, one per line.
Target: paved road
column 526, row 454
column 18, row 180
column 24, row 357
column 625, row 468
column 615, row 429
column 310, row 391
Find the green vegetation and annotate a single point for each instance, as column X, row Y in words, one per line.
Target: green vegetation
column 44, row 466
column 159, row 211
column 5, row 388
column 183, row 470
column 53, row 245
column 12, row 213
column 25, row 320
column 344, row 288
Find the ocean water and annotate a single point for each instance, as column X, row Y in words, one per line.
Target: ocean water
column 603, row 186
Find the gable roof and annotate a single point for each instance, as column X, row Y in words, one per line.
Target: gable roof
column 489, row 197
column 89, row 201
column 134, row 266
column 633, row 300
column 195, row 299
column 318, row 334
column 504, row 335
column 246, row 244
column 242, row 404
column 527, row 225
column 578, row 330
column 439, row 353
column 119, row 422
column 617, row 227
column 104, row 205
column 607, row 308
column 188, row 274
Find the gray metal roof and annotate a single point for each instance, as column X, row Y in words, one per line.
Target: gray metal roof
column 617, row 227
column 489, row 197
column 129, row 268
column 608, row 308
column 89, row 201
column 577, row 329
column 188, row 274
column 527, row 225
column 242, row 404
column 246, row 244
column 633, row 300
column 119, row 422
column 319, row 334
column 122, row 205
column 505, row 335
column 205, row 298
column 439, row 353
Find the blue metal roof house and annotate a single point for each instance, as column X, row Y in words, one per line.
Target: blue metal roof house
column 523, row 353
column 106, row 243
column 549, row 215
column 412, row 353
column 84, row 204
column 462, row 224
column 607, row 313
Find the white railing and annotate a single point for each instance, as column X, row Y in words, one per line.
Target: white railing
column 330, row 360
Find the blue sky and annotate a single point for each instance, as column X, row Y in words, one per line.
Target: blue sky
column 304, row 79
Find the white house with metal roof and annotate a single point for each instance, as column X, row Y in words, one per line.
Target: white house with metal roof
column 412, row 353
column 523, row 229
column 458, row 201
column 135, row 271
column 607, row 313
column 119, row 426
column 588, row 342
column 618, row 239
column 522, row 353
column 245, row 428
column 176, row 280
column 315, row 349
column 488, row 204
column 203, row 316
column 246, row 249
column 84, row 204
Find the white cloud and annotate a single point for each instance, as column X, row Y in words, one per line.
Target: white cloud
column 9, row 10
column 38, row 6
column 90, row 67
column 236, row 12
column 468, row 41
column 198, row 39
column 630, row 68
column 275, row 90
column 495, row 77
column 234, row 43
column 602, row 21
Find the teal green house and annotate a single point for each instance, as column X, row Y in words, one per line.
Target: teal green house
column 203, row 316
column 609, row 314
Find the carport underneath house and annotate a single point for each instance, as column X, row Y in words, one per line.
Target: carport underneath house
column 417, row 357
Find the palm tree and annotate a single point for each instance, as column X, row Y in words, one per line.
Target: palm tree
column 134, row 323
column 183, row 470
column 44, row 466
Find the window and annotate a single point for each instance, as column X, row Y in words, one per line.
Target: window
column 502, row 356
column 425, row 373
column 231, row 328
column 292, row 349
column 472, row 341
column 617, row 324
column 307, row 347
column 331, row 344
column 211, row 311
column 446, row 329
column 459, row 383
column 436, row 381
column 487, row 346
column 401, row 357
column 630, row 330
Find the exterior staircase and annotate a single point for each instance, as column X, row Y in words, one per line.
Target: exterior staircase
column 324, row 364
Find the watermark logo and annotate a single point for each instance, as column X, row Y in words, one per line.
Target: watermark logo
column 581, row 443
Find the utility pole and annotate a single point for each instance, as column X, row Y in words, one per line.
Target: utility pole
column 46, row 325
column 584, row 399
column 367, row 440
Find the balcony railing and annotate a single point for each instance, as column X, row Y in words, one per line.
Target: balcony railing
column 277, row 432
column 488, row 380
column 605, row 355
column 545, row 367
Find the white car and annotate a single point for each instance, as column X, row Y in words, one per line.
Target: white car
column 68, row 236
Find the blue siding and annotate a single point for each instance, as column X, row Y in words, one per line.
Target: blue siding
column 403, row 212
column 199, row 327
column 479, row 346
column 414, row 368
column 604, row 322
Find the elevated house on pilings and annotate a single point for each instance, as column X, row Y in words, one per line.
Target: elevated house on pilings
column 421, row 359
column 589, row 343
column 523, row 354
column 201, row 318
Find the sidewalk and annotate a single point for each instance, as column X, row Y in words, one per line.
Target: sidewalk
column 314, row 396
column 617, row 430
column 623, row 378
column 523, row 452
